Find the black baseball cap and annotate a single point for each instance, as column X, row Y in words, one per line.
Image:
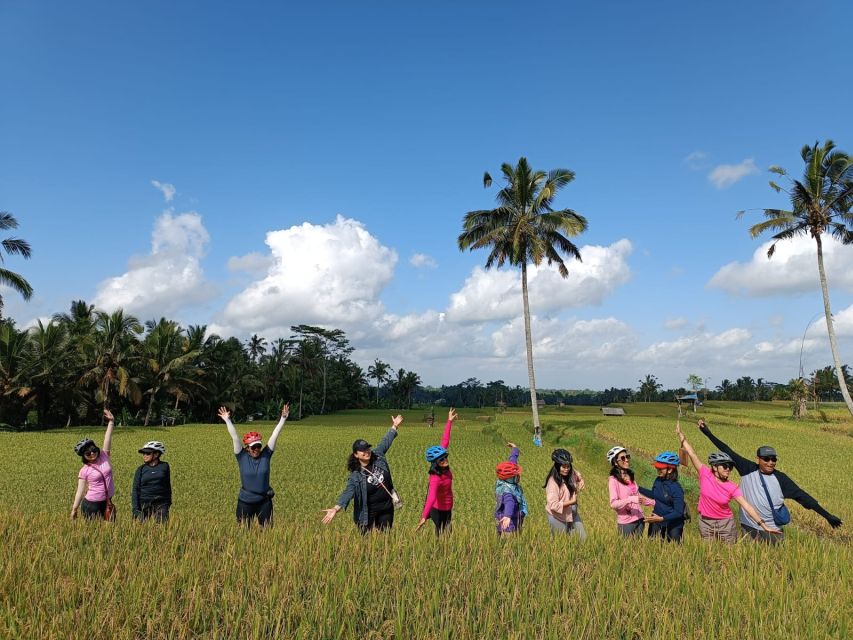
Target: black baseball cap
column 361, row 445
column 765, row 451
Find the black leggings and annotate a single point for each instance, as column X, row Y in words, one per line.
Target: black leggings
column 157, row 511
column 441, row 519
column 379, row 521
column 262, row 511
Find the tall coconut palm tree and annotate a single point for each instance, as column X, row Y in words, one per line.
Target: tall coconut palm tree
column 820, row 204
column 525, row 229
column 13, row 246
column 379, row 372
column 113, row 352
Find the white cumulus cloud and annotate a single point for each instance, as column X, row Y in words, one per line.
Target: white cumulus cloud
column 792, row 269
column 318, row 274
column 251, row 262
column 167, row 279
column 422, row 261
column 496, row 294
column 168, row 190
column 696, row 160
column 725, row 175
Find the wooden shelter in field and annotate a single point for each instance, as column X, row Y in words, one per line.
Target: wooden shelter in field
column 691, row 398
column 613, row 411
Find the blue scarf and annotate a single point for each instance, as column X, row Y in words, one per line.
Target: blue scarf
column 502, row 487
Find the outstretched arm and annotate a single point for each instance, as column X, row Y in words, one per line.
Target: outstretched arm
column 108, row 436
column 742, row 465
column 285, row 411
column 388, row 438
column 792, row 491
column 686, row 446
column 235, row 439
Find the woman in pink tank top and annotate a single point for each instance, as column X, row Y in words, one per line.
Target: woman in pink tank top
column 95, row 479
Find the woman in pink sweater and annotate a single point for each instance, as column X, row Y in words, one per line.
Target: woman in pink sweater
column 625, row 497
column 439, row 502
column 561, row 495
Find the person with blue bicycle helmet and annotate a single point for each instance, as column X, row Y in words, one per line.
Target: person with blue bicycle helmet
column 669, row 513
column 439, row 501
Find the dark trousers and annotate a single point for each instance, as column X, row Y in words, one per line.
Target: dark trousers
column 262, row 511
column 441, row 519
column 94, row 510
column 156, row 510
column 760, row 535
column 669, row 531
column 379, row 521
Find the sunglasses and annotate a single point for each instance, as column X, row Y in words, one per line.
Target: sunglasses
column 624, row 457
column 726, row 465
column 89, row 452
column 768, row 458
column 256, row 445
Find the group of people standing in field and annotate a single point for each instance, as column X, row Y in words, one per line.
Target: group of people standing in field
column 370, row 487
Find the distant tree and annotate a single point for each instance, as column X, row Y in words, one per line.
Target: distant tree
column 649, row 386
column 525, row 229
column 820, row 204
column 378, row 371
column 13, row 246
column 257, row 347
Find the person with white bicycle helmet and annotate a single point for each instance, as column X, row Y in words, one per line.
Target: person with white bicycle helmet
column 669, row 512
column 254, row 502
column 438, row 506
column 95, row 486
column 625, row 498
column 151, row 494
column 561, row 495
column 716, row 520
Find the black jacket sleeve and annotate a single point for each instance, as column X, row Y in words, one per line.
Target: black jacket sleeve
column 168, row 480
column 742, row 465
column 136, row 507
column 791, row 491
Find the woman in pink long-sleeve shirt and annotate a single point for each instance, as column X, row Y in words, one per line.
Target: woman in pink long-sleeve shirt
column 625, row 497
column 439, row 502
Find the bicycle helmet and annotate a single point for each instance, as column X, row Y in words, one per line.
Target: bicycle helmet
column 718, row 457
column 153, row 445
column 84, row 444
column 667, row 459
column 251, row 438
column 561, row 456
column 615, row 451
column 434, row 454
column 507, row 470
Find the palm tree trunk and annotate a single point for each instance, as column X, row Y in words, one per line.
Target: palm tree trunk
column 528, row 339
column 830, row 328
column 150, row 405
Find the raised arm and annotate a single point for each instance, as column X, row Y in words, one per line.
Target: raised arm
column 388, row 438
column 108, row 436
column 513, row 455
column 742, row 465
column 235, row 439
column 451, row 416
column 686, row 446
column 285, row 412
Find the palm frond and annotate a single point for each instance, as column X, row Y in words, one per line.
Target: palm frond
column 16, row 282
column 487, row 180
column 17, row 245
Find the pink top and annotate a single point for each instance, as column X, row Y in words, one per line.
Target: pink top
column 625, row 499
column 440, row 492
column 555, row 496
column 715, row 495
column 99, row 477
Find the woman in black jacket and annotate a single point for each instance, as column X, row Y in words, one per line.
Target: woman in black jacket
column 151, row 495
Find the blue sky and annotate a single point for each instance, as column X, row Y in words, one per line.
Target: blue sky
column 313, row 151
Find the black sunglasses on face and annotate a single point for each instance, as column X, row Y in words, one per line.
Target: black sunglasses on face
column 257, row 445
column 768, row 458
column 726, row 465
column 624, row 457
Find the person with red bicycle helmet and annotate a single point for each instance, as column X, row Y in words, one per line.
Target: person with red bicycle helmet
column 254, row 501
column 511, row 505
column 670, row 512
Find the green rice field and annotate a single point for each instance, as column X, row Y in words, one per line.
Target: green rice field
column 203, row 576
